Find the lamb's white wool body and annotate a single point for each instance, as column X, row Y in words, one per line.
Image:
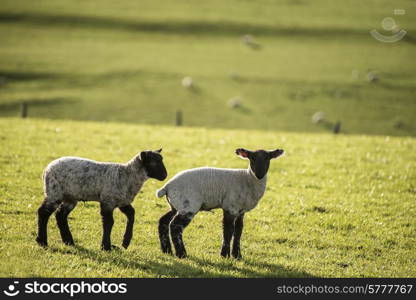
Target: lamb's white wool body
column 71, row 179
column 68, row 180
column 234, row 190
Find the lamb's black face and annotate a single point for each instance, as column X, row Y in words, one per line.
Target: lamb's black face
column 153, row 164
column 259, row 160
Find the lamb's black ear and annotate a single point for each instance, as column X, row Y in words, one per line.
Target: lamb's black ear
column 243, row 153
column 158, row 151
column 276, row 153
column 143, row 155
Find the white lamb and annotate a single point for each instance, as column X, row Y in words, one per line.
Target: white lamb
column 236, row 191
column 71, row 179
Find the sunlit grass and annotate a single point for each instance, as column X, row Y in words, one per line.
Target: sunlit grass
column 335, row 206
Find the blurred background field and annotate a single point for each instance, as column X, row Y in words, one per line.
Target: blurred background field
column 125, row 61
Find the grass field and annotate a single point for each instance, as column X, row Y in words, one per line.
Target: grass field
column 335, row 206
column 124, row 61
column 102, row 79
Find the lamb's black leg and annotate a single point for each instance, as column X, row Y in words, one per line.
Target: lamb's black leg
column 177, row 225
column 164, row 231
column 44, row 212
column 228, row 231
column 238, row 230
column 129, row 212
column 108, row 222
column 62, row 220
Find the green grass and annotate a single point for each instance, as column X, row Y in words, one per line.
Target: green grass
column 335, row 206
column 124, row 61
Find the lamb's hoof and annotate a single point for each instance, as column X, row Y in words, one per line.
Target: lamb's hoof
column 165, row 245
column 237, row 255
column 109, row 247
column 225, row 253
column 42, row 242
column 69, row 243
column 167, row 250
column 181, row 255
column 126, row 242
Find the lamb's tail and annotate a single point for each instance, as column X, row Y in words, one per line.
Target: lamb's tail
column 162, row 192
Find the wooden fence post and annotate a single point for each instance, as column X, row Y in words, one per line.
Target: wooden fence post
column 179, row 118
column 337, row 128
column 23, row 110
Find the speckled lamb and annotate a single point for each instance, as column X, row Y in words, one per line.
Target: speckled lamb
column 68, row 180
column 236, row 191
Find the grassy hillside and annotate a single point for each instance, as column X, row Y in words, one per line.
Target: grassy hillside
column 124, row 61
column 335, row 206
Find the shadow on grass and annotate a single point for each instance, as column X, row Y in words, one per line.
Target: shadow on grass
column 25, row 76
column 272, row 270
column 391, row 86
column 345, row 90
column 173, row 267
column 17, row 212
column 223, row 28
column 410, row 39
column 80, row 80
column 14, row 107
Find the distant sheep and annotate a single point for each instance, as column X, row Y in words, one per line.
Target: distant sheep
column 236, row 191
column 372, row 76
column 187, row 82
column 234, row 102
column 318, row 117
column 68, row 180
column 248, row 40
